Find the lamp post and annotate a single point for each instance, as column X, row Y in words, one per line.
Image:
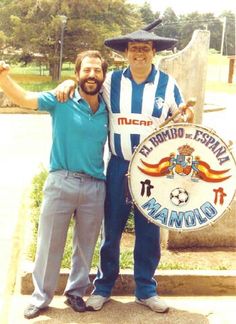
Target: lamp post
column 63, row 24
column 223, row 37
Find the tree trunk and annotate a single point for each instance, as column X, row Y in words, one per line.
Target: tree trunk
column 54, row 70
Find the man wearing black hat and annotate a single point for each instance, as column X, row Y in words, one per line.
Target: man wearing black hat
column 139, row 99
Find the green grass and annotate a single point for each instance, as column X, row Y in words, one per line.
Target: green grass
column 41, row 86
column 184, row 266
column 29, row 70
column 217, row 59
column 33, row 69
column 35, row 82
column 29, row 77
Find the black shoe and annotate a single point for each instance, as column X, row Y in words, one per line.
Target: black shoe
column 33, row 311
column 76, row 303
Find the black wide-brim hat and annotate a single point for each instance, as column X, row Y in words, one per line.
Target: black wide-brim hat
column 143, row 35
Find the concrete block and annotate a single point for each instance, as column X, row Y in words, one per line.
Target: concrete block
column 170, row 282
column 221, row 234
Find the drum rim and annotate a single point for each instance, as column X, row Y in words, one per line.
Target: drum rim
column 210, row 223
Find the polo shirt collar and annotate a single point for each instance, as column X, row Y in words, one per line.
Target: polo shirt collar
column 77, row 95
column 150, row 78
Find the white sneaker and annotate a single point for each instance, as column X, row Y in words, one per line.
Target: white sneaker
column 155, row 303
column 96, row 302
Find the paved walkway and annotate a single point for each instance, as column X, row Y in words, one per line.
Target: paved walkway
column 22, row 150
column 222, row 121
column 123, row 310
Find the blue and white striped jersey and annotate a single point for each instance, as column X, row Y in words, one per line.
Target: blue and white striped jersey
column 137, row 110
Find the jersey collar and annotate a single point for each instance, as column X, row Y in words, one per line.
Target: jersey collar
column 150, row 78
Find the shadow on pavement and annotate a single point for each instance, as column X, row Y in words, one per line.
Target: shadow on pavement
column 117, row 312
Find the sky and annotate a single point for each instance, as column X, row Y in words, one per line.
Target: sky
column 181, row 7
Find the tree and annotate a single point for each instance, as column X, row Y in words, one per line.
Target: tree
column 169, row 26
column 147, row 14
column 35, row 26
column 187, row 25
column 213, row 24
column 2, row 39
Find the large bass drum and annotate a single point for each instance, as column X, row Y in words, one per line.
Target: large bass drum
column 182, row 177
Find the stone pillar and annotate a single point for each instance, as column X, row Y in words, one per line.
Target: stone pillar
column 189, row 68
column 221, row 234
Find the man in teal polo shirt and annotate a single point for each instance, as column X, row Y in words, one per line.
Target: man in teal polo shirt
column 75, row 184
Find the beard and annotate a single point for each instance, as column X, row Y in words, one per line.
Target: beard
column 90, row 89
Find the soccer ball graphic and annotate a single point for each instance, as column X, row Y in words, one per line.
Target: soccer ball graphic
column 179, row 197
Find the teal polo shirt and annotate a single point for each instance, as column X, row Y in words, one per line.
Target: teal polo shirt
column 78, row 134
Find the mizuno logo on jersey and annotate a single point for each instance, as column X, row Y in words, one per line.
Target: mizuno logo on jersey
column 130, row 121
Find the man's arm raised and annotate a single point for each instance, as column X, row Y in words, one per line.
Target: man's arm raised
column 16, row 93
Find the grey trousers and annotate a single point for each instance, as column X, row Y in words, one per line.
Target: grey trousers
column 67, row 194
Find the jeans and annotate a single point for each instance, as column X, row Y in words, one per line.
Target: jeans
column 147, row 237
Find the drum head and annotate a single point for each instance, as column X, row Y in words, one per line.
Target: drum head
column 182, row 177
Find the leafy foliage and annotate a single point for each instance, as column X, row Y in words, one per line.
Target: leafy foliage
column 36, row 196
column 35, row 28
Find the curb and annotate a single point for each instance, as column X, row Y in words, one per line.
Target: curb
column 170, row 282
column 17, row 241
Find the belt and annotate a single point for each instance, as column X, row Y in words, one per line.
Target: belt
column 75, row 174
column 79, row 174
